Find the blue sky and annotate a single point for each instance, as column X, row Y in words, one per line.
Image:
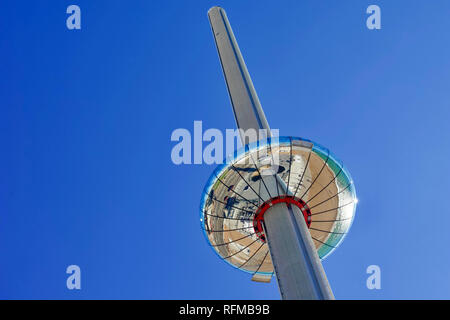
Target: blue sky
column 86, row 176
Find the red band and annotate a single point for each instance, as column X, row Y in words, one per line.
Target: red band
column 259, row 216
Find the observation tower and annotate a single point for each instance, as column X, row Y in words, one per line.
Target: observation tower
column 279, row 204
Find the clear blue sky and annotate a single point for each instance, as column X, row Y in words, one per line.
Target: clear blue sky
column 86, row 176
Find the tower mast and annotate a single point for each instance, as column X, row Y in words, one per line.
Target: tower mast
column 297, row 266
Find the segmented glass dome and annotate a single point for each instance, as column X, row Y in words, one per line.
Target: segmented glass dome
column 236, row 191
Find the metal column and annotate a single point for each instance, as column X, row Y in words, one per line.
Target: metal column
column 299, row 272
column 244, row 100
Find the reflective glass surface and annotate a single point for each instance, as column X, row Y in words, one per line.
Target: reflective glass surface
column 237, row 188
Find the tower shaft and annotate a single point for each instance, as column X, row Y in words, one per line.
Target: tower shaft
column 298, row 269
column 297, row 266
column 244, row 100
